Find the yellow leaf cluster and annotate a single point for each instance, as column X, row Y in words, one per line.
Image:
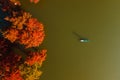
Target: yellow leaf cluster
column 30, row 72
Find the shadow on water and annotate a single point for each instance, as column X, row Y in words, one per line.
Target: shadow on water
column 80, row 38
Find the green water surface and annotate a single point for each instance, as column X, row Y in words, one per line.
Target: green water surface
column 67, row 57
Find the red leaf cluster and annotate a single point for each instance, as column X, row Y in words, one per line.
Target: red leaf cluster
column 36, row 57
column 9, row 66
column 15, row 75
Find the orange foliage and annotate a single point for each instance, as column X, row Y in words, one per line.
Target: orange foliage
column 16, row 2
column 18, row 22
column 34, row 24
column 33, row 35
column 25, row 30
column 36, row 57
column 34, row 1
column 11, row 34
column 9, row 67
column 15, row 75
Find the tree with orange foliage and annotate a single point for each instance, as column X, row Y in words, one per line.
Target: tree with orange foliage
column 25, row 30
column 30, row 33
column 9, row 66
column 30, row 70
column 33, row 35
column 36, row 57
column 13, row 67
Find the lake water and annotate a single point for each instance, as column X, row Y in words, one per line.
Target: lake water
column 68, row 58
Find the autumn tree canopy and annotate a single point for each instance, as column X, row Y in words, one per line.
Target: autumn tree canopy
column 19, row 28
column 30, row 32
column 24, row 29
